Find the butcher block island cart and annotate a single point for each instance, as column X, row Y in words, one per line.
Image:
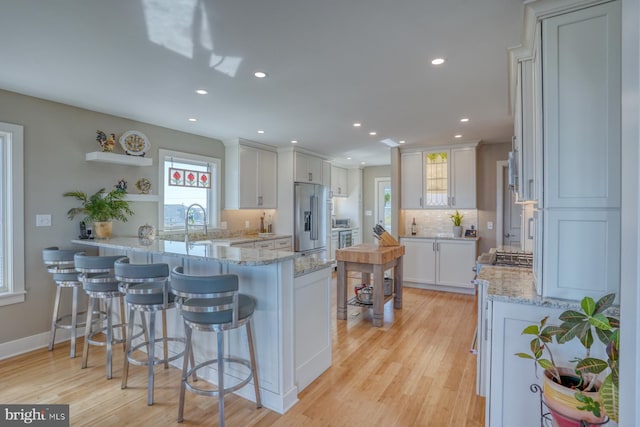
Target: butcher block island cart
column 370, row 259
column 292, row 320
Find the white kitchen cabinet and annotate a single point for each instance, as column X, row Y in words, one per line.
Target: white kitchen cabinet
column 250, row 175
column 308, row 168
column 411, row 180
column 264, row 244
column 419, row 261
column 283, row 244
column 582, row 115
column 339, row 182
column 334, row 245
column 444, row 178
column 524, row 140
column 445, row 264
column 581, row 152
column 581, row 249
column 326, row 173
column 243, row 245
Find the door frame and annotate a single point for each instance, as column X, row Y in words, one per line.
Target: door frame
column 376, row 200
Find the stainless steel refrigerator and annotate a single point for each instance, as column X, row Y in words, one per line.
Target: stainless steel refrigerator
column 310, row 230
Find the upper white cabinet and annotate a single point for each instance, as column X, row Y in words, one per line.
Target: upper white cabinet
column 581, row 107
column 339, row 182
column 250, row 176
column 439, row 179
column 525, row 139
column 308, row 168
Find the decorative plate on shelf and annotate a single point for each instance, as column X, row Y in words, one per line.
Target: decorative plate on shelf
column 134, row 143
column 143, row 185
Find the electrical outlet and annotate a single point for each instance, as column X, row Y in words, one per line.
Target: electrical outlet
column 247, row 224
column 490, row 225
column 43, row 220
column 223, row 225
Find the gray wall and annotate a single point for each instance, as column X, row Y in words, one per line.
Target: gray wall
column 368, row 198
column 488, row 155
column 56, row 138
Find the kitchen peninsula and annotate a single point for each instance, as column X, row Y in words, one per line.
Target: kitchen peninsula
column 292, row 317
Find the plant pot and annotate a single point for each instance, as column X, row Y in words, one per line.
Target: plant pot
column 457, row 231
column 563, row 404
column 102, row 230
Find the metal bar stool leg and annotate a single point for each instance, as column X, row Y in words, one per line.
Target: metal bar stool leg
column 87, row 330
column 123, row 324
column 54, row 318
column 125, row 367
column 109, row 342
column 74, row 320
column 188, row 355
column 221, row 378
column 254, row 369
column 165, row 346
column 151, row 354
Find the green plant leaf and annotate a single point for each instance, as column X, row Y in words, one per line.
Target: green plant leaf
column 572, row 316
column 549, row 332
column 588, row 306
column 545, row 364
column 585, row 336
column 524, row 355
column 591, row 365
column 604, row 303
column 604, row 336
column 615, row 323
column 530, row 330
column 610, row 397
column 600, row 321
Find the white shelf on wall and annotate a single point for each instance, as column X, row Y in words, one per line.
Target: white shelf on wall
column 142, row 198
column 119, row 159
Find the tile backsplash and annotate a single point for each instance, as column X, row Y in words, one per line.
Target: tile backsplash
column 432, row 222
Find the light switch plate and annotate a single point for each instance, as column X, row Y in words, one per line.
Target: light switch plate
column 368, row 213
column 490, row 225
column 43, row 220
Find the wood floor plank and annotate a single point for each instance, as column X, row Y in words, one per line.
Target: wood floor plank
column 416, row 370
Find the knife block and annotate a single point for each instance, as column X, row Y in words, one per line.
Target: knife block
column 387, row 239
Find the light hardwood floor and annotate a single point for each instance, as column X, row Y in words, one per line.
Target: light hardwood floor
column 414, row 371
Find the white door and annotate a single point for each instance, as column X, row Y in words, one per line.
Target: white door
column 383, row 203
column 511, row 213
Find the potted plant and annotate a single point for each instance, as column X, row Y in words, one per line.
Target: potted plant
column 579, row 392
column 101, row 208
column 457, row 224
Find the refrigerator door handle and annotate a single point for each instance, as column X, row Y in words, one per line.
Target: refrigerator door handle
column 314, row 218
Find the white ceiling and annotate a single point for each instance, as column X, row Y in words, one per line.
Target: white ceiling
column 330, row 63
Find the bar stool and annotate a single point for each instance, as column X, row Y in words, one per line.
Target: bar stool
column 146, row 289
column 99, row 282
column 213, row 303
column 60, row 264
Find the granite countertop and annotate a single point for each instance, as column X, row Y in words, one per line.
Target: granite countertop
column 202, row 249
column 517, row 285
column 438, row 236
column 305, row 265
column 227, row 241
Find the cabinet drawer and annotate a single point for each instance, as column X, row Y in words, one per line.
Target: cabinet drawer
column 268, row 244
column 282, row 243
column 243, row 245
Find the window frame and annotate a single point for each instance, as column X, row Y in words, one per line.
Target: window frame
column 12, row 183
column 213, row 208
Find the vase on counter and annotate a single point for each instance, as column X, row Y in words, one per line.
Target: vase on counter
column 102, row 229
column 457, row 231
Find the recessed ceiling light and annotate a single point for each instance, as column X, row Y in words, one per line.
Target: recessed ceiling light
column 260, row 131
column 458, row 136
column 363, row 163
column 438, row 61
column 201, row 92
column 464, row 119
column 260, row 74
column 294, row 141
column 402, row 142
column 348, row 158
column 357, row 125
column 192, row 119
column 373, row 133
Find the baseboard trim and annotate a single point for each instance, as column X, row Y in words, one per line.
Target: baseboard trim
column 35, row 342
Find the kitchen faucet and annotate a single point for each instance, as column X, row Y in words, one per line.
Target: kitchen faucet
column 186, row 219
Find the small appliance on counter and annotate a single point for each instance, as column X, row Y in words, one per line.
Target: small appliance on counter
column 341, row 223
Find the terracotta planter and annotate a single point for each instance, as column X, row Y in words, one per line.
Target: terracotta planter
column 102, row 230
column 563, row 404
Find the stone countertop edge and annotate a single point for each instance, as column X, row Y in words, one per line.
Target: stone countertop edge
column 419, row 236
column 517, row 285
column 220, row 253
column 303, row 267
